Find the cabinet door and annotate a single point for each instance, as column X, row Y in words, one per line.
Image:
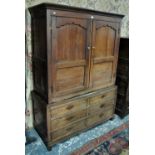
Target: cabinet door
column 104, row 53
column 69, row 53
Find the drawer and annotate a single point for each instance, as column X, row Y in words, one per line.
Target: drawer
column 66, row 108
column 67, row 131
column 102, row 97
column 67, row 120
column 100, row 116
column 101, row 105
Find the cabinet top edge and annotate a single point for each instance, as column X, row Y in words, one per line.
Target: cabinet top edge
column 73, row 8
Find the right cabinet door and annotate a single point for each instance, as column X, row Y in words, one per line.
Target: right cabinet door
column 105, row 40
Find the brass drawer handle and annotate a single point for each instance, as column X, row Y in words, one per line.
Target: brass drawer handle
column 70, row 107
column 101, row 115
column 103, row 96
column 69, row 118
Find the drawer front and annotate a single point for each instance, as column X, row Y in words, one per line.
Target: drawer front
column 67, row 131
column 102, row 105
column 103, row 97
column 67, row 120
column 100, row 116
column 66, row 108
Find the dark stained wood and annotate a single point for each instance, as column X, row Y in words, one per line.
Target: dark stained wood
column 68, row 107
column 39, row 54
column 99, row 106
column 100, row 116
column 122, row 80
column 88, row 51
column 104, row 53
column 60, row 122
column 83, row 11
column 75, row 54
column 39, row 114
column 66, row 131
column 62, row 139
column 65, row 117
column 66, row 54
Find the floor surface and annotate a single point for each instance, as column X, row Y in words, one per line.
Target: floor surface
column 66, row 147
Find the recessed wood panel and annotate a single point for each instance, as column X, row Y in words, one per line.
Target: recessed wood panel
column 101, row 42
column 39, row 38
column 111, row 41
column 104, row 41
column 69, row 78
column 72, row 47
column 74, row 34
column 102, row 74
column 40, row 76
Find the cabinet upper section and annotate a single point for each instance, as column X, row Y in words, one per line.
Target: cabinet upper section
column 74, row 50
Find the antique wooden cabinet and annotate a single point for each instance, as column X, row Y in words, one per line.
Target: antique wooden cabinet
column 75, row 55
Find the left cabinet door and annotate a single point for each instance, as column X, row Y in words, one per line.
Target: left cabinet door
column 69, row 43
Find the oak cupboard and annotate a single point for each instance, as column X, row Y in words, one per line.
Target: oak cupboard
column 75, row 54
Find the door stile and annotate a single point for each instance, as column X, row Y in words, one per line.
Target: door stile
column 88, row 52
column 53, row 65
column 116, row 52
column 92, row 53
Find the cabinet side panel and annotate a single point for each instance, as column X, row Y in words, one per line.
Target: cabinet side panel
column 39, row 112
column 39, row 53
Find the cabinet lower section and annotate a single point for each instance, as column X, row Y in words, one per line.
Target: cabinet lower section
column 58, row 121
